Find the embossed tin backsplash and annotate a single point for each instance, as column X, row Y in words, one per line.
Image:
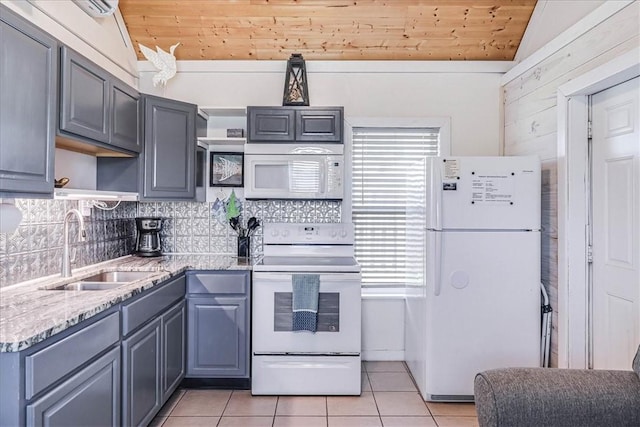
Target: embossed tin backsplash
column 35, row 248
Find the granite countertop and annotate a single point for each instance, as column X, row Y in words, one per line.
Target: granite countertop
column 30, row 312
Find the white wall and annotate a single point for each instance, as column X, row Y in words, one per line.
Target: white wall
column 468, row 93
column 104, row 41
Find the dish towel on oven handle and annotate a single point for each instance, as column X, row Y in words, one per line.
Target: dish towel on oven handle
column 306, row 288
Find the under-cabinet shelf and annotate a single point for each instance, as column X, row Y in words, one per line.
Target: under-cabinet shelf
column 221, row 141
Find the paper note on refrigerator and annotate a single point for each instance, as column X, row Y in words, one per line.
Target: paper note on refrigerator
column 494, row 189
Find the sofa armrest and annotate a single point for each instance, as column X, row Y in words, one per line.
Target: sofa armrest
column 520, row 397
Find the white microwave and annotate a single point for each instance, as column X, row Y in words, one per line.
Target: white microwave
column 294, row 176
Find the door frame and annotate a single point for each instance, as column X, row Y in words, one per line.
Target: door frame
column 573, row 203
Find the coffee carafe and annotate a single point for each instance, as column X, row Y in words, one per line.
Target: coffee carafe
column 148, row 236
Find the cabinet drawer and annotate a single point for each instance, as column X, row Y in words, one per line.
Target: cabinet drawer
column 218, row 283
column 146, row 307
column 52, row 363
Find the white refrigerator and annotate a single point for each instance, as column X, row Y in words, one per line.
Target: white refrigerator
column 477, row 305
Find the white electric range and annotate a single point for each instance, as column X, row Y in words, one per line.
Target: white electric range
column 327, row 361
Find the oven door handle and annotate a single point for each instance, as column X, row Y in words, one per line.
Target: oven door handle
column 286, row 277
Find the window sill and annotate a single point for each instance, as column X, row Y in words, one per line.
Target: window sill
column 384, row 293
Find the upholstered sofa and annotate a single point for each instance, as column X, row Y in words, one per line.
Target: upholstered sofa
column 544, row 397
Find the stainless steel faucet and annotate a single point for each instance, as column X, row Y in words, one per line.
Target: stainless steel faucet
column 66, row 258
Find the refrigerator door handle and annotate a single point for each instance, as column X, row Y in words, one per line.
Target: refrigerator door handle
column 437, row 263
column 435, row 204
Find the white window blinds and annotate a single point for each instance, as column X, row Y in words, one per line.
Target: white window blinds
column 385, row 165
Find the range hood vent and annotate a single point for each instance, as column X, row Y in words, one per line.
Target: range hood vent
column 98, row 8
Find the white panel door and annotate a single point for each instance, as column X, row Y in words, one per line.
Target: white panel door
column 615, row 208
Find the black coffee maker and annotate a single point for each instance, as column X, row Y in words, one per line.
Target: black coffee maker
column 148, row 236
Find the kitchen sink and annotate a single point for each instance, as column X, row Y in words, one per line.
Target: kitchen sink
column 88, row 286
column 102, row 281
column 118, row 276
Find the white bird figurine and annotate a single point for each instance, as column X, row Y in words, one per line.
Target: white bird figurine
column 163, row 61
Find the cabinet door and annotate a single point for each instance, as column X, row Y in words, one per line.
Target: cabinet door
column 169, row 150
column 91, row 397
column 173, row 351
column 84, row 92
column 125, row 117
column 320, row 125
column 218, row 337
column 270, row 124
column 141, row 366
column 28, row 98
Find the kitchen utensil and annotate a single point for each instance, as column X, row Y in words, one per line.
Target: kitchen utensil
column 234, row 224
column 252, row 224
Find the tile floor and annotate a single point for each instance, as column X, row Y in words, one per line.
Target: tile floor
column 389, row 398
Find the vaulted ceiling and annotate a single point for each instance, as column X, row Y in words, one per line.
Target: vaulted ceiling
column 330, row 29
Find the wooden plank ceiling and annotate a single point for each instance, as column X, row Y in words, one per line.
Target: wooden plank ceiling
column 330, row 29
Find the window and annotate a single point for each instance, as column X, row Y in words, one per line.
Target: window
column 386, row 182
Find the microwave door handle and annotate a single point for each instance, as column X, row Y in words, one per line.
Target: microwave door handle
column 323, row 177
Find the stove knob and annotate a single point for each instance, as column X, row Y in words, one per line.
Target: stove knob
column 274, row 233
column 334, row 234
column 343, row 233
column 285, row 233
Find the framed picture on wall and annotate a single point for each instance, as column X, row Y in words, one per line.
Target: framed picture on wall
column 227, row 169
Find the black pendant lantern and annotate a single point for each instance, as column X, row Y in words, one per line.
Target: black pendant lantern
column 295, row 83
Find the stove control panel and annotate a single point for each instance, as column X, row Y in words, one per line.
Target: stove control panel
column 308, row 233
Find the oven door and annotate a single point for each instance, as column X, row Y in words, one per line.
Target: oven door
column 294, row 176
column 339, row 308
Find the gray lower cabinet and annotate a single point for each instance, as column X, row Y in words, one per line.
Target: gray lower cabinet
column 90, row 397
column 153, row 350
column 169, row 154
column 28, row 106
column 218, row 324
column 173, row 349
column 70, row 379
column 141, row 366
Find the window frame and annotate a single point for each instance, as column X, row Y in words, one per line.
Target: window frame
column 443, row 123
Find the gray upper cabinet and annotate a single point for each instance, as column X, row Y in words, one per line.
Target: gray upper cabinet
column 28, row 99
column 319, row 125
column 169, row 149
column 295, row 124
column 84, row 97
column 97, row 108
column 266, row 124
column 125, row 131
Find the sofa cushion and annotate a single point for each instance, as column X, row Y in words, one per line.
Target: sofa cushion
column 636, row 362
column 557, row 397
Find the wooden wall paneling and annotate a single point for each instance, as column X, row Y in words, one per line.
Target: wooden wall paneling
column 544, row 147
column 606, row 36
column 539, row 100
column 531, row 127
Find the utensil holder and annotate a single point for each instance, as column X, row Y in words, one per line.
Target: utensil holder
column 244, row 245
